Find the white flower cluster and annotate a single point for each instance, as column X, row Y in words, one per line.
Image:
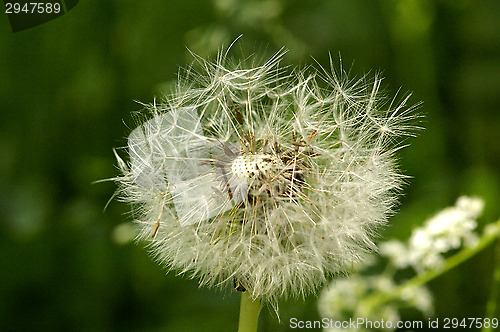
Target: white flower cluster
column 447, row 230
column 351, row 297
column 271, row 181
column 343, row 300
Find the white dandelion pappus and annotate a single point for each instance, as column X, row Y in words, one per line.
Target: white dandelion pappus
column 251, row 176
column 170, row 147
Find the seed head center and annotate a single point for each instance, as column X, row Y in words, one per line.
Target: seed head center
column 256, row 166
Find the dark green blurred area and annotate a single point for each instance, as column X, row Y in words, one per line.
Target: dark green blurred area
column 67, row 91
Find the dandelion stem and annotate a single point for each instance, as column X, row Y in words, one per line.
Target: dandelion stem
column 380, row 298
column 249, row 313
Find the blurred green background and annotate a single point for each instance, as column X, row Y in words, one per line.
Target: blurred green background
column 67, row 91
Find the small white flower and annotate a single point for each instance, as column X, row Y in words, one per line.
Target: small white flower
column 344, row 299
column 269, row 180
column 341, row 298
column 472, row 206
column 419, row 297
column 447, row 230
column 397, row 253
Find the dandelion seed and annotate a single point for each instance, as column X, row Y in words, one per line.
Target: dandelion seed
column 271, row 182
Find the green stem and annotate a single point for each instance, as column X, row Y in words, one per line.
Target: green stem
column 380, row 298
column 492, row 305
column 249, row 313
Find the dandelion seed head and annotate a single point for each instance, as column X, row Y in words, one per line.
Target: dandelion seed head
column 272, row 180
